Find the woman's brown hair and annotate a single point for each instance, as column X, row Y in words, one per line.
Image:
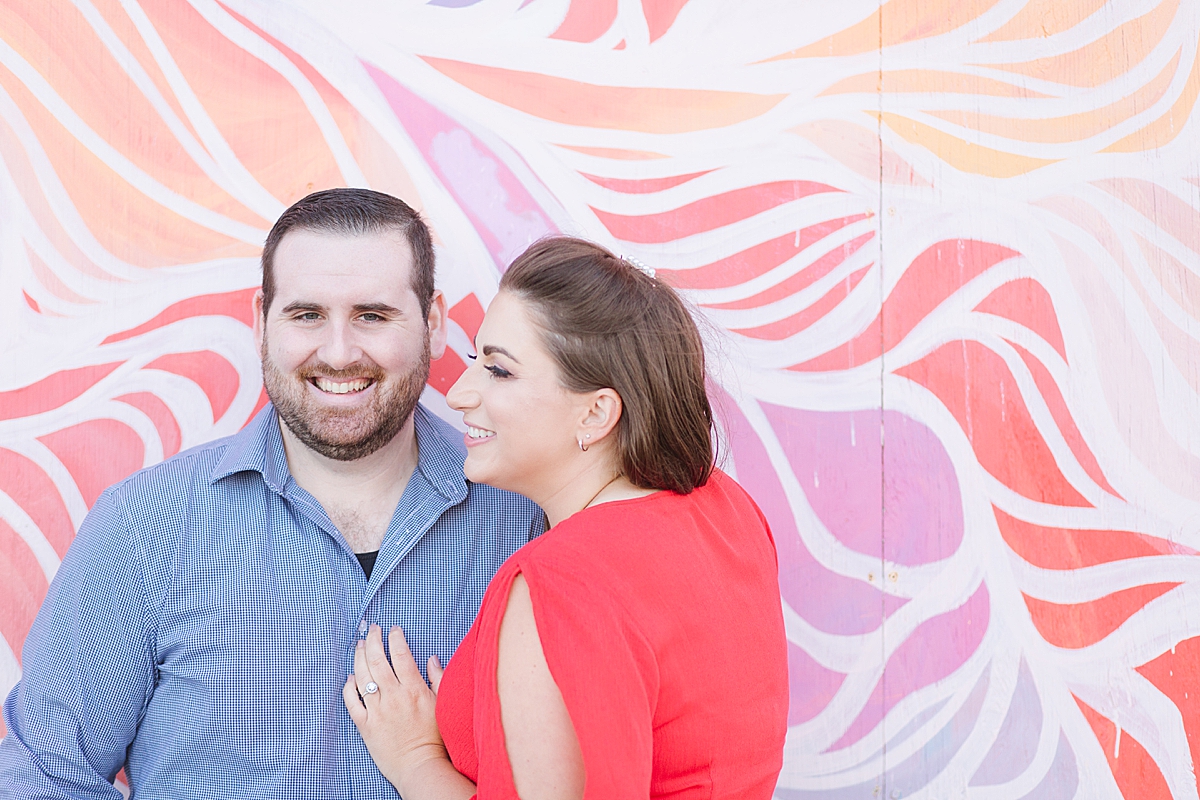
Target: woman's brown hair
column 609, row 324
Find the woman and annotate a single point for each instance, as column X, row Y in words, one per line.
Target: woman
column 636, row 649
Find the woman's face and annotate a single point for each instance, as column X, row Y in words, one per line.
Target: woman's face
column 521, row 422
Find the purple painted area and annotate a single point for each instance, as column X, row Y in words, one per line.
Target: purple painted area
column 935, row 650
column 1016, row 743
column 829, row 602
column 812, row 686
column 844, row 470
column 498, row 205
column 917, row 770
column 1062, row 779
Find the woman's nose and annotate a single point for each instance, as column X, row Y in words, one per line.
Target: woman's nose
column 462, row 395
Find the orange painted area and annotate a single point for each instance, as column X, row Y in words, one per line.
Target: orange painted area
column 802, row 279
column 1067, row 549
column 976, row 386
column 32, row 489
column 375, row 157
column 259, row 114
column 615, row 153
column 1180, row 283
column 757, row 260
column 645, row 185
column 38, row 206
column 236, row 304
column 895, row 22
column 932, row 277
column 1052, row 395
column 927, row 81
column 80, row 70
column 1164, row 129
column 97, row 453
column 1108, row 57
column 53, row 391
column 445, row 371
column 158, row 412
column 127, row 223
column 211, row 372
column 1079, row 625
column 22, row 590
column 709, row 213
column 861, row 150
column 660, row 15
column 1176, row 673
column 1072, row 128
column 114, row 14
column 46, row 277
column 790, row 326
column 1026, row 302
column 588, row 105
column 586, row 20
column 1038, row 19
column 1135, row 771
column 468, row 313
column 961, row 154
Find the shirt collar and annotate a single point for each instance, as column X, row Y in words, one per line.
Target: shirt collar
column 259, row 447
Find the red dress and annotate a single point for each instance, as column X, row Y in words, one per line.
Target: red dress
column 661, row 623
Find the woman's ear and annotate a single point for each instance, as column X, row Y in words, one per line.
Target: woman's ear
column 602, row 413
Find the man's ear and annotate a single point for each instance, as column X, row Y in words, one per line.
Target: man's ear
column 437, row 325
column 259, row 322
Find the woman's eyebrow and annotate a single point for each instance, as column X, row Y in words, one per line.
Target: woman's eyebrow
column 488, row 349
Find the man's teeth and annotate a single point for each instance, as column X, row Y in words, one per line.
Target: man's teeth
column 342, row 388
column 479, row 433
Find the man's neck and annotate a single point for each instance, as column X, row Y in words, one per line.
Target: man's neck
column 359, row 496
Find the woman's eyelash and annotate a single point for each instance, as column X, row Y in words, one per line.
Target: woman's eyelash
column 499, row 372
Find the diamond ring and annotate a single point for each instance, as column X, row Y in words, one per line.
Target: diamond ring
column 371, row 688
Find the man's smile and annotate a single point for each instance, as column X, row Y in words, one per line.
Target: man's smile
column 340, row 387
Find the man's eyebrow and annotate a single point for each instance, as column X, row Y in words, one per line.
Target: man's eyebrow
column 301, row 305
column 488, row 349
column 382, row 308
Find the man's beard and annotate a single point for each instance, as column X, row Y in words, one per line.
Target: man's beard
column 345, row 434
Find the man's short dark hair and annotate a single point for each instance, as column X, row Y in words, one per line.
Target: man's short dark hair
column 354, row 212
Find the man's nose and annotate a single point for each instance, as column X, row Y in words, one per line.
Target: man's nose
column 340, row 348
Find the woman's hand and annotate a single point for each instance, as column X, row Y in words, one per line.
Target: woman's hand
column 393, row 708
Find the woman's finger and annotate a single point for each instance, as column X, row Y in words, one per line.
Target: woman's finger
column 364, row 678
column 435, row 673
column 377, row 662
column 354, row 705
column 402, row 658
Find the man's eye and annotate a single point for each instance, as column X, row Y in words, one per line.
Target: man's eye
column 309, row 316
column 370, row 318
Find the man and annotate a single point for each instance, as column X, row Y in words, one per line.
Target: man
column 203, row 623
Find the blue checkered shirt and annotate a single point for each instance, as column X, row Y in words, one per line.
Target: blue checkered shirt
column 202, row 625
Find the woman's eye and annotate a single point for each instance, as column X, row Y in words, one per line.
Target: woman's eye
column 499, row 372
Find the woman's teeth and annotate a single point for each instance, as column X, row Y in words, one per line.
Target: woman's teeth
column 333, row 387
column 479, row 433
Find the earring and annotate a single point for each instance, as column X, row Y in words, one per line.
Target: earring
column 581, row 445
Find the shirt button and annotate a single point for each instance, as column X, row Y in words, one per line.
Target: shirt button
column 362, row 626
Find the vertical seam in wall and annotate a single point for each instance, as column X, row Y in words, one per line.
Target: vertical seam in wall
column 882, row 212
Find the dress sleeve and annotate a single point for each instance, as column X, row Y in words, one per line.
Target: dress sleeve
column 603, row 666
column 88, row 670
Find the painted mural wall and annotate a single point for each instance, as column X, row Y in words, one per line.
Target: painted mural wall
column 946, row 253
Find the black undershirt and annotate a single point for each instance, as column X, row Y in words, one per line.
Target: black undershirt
column 368, row 561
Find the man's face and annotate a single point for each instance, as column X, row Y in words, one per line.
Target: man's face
column 345, row 348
